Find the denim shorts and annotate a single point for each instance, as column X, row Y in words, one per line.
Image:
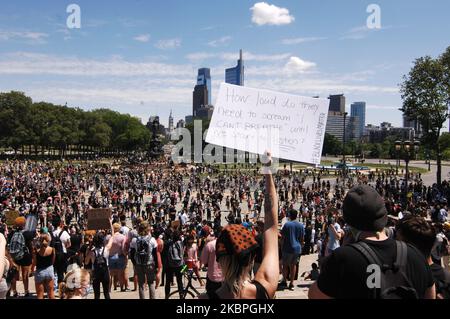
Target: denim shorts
column 42, row 275
column 117, row 262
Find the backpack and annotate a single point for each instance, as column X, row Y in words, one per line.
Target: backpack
column 174, row 255
column 17, row 247
column 58, row 245
column 100, row 263
column 142, row 255
column 395, row 283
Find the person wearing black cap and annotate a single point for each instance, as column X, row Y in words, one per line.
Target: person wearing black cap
column 351, row 272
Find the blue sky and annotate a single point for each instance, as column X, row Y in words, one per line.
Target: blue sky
column 141, row 57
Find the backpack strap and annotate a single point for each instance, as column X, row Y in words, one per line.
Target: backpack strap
column 261, row 292
column 367, row 252
column 372, row 259
column 402, row 254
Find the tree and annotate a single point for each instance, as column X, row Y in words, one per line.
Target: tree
column 426, row 96
column 14, row 111
column 331, row 145
column 24, row 123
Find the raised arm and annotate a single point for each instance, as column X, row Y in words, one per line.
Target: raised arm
column 2, row 253
column 268, row 273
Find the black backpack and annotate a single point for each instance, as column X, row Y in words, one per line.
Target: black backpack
column 100, row 263
column 175, row 255
column 58, row 245
column 142, row 255
column 395, row 283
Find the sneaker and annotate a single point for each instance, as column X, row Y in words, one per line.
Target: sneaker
column 291, row 287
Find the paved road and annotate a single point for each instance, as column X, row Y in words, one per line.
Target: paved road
column 429, row 178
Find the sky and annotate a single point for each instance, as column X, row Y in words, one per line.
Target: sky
column 141, row 57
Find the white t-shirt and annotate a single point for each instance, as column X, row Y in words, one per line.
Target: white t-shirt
column 313, row 235
column 65, row 238
column 183, row 218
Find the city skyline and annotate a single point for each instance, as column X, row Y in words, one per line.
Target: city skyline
column 137, row 60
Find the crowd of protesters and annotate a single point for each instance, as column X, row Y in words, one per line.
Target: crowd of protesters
column 246, row 230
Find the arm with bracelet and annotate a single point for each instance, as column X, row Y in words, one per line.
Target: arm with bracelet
column 268, row 272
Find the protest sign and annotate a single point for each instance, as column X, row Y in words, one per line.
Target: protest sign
column 99, row 219
column 31, row 223
column 11, row 217
column 292, row 127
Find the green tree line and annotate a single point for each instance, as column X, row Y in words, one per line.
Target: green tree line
column 46, row 128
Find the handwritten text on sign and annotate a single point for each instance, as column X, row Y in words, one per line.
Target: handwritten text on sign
column 252, row 120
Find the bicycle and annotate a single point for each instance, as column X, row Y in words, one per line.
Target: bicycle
column 189, row 291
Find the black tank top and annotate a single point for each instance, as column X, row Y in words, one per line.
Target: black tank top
column 261, row 292
column 43, row 262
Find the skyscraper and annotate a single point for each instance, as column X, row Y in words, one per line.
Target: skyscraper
column 204, row 78
column 236, row 75
column 413, row 123
column 199, row 99
column 337, row 103
column 358, row 109
column 171, row 127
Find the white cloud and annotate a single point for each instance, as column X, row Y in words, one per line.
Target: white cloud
column 123, row 84
column 297, row 65
column 208, row 28
column 248, row 56
column 264, row 13
column 198, row 56
column 142, row 38
column 168, row 44
column 32, row 63
column 33, row 37
column 382, row 107
column 321, row 86
column 220, row 42
column 233, row 56
column 292, row 41
column 359, row 33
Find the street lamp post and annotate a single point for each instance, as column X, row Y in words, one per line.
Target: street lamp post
column 344, row 161
column 398, row 148
column 407, row 149
column 429, row 160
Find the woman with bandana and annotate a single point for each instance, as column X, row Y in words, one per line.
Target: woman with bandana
column 236, row 250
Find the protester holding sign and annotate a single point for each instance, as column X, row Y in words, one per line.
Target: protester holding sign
column 236, row 250
column 117, row 258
